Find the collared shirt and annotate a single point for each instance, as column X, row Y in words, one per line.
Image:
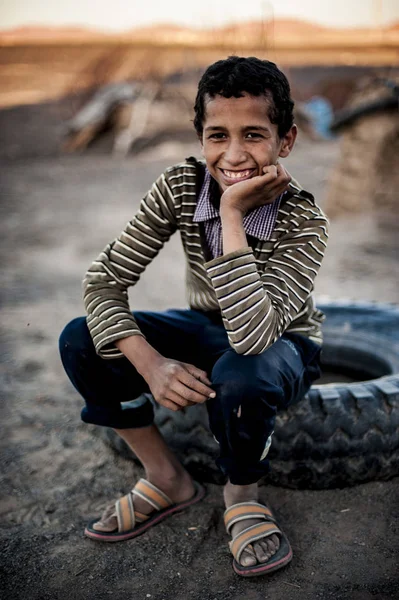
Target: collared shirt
column 260, row 291
column 259, row 223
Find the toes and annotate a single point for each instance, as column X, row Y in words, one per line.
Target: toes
column 107, row 513
column 260, row 552
column 276, row 540
column 108, row 521
column 107, row 525
column 271, row 546
column 266, row 550
column 248, row 557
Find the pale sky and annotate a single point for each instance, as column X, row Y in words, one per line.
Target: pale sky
column 114, row 15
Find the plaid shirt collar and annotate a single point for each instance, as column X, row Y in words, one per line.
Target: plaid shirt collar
column 259, row 223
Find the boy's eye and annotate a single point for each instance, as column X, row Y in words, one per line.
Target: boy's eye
column 253, row 134
column 217, row 136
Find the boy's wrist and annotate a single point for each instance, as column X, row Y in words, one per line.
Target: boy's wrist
column 233, row 232
column 140, row 353
column 229, row 212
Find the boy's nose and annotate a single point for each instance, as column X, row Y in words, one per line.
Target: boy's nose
column 235, row 154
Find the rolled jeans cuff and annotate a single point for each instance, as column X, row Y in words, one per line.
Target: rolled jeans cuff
column 133, row 414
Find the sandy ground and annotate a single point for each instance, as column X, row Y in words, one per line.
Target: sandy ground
column 56, row 214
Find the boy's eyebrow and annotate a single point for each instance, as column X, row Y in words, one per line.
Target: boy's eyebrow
column 214, row 128
column 246, row 128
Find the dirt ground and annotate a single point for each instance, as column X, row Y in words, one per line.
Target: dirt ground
column 56, row 215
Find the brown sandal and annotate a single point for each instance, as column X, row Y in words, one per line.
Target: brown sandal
column 131, row 522
column 254, row 510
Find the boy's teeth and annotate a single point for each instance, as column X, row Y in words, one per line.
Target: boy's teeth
column 237, row 174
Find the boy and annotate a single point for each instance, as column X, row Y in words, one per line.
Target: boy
column 250, row 342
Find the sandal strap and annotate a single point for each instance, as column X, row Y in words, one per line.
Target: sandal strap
column 140, row 517
column 250, row 535
column 151, row 494
column 124, row 510
column 246, row 510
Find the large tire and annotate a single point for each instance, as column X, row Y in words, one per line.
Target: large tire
column 340, row 434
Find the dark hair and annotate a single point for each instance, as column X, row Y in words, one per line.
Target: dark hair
column 236, row 75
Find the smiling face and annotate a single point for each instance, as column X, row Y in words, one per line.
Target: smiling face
column 238, row 138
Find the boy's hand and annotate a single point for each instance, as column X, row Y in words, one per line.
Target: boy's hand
column 257, row 191
column 175, row 384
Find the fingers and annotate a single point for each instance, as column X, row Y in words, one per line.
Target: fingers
column 198, row 373
column 271, row 172
column 189, row 376
column 170, row 405
column 175, row 402
column 180, row 401
column 282, row 175
column 187, row 394
column 186, row 389
column 275, row 181
column 179, row 385
column 276, row 174
column 282, row 171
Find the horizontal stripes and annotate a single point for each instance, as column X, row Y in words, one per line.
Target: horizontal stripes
column 260, row 291
column 151, row 494
column 243, row 511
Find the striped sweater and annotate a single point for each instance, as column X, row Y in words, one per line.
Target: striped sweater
column 261, row 291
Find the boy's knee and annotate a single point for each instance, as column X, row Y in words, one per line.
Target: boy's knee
column 235, row 390
column 74, row 338
column 234, row 377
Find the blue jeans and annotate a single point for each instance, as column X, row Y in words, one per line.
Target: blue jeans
column 260, row 384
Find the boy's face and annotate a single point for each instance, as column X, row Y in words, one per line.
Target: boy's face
column 238, row 139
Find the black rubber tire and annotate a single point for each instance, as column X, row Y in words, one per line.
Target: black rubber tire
column 340, row 434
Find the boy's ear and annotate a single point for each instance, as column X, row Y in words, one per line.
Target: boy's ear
column 288, row 141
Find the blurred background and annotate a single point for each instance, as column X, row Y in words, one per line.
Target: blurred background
column 96, row 99
column 94, row 87
column 54, row 59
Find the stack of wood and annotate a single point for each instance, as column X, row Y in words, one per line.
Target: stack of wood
column 366, row 177
column 110, row 106
column 131, row 111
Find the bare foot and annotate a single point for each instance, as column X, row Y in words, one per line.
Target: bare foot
column 178, row 487
column 262, row 550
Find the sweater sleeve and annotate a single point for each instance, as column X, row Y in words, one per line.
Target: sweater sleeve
column 258, row 306
column 120, row 265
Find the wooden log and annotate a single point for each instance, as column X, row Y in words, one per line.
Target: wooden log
column 138, row 120
column 93, row 117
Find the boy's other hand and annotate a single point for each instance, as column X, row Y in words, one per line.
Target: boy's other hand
column 175, row 384
column 256, row 191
